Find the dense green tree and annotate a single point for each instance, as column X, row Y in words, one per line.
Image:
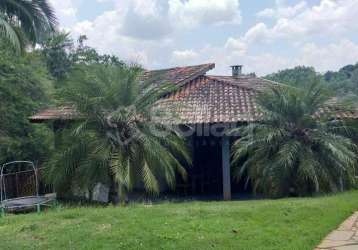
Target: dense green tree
column 343, row 81
column 24, row 88
column 23, row 21
column 354, row 78
column 62, row 54
column 84, row 54
column 295, row 76
column 56, row 51
column 292, row 151
column 118, row 139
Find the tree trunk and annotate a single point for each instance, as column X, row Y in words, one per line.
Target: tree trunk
column 123, row 198
column 90, row 194
column 341, row 185
column 113, row 191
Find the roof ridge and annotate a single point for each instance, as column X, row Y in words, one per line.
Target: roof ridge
column 230, row 83
column 198, row 73
column 179, row 67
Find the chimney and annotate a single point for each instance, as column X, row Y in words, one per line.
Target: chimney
column 236, row 70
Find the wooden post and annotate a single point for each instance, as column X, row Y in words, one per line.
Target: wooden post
column 193, row 171
column 226, row 168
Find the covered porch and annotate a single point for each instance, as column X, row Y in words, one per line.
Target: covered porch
column 209, row 176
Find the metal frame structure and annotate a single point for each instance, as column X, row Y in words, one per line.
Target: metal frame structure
column 23, row 202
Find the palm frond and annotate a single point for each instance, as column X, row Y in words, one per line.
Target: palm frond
column 116, row 109
column 36, row 18
column 8, row 31
column 292, row 149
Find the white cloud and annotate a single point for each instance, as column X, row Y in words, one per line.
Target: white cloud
column 147, row 31
column 261, row 64
column 102, row 27
column 144, row 30
column 330, row 17
column 283, row 11
column 105, row 34
column 193, row 13
column 131, row 37
column 241, row 45
column 69, row 11
column 259, row 32
column 66, row 11
column 330, row 57
column 158, row 19
column 236, row 46
column 268, row 12
column 184, row 56
column 146, row 19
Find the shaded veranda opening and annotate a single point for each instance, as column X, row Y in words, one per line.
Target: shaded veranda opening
column 205, row 176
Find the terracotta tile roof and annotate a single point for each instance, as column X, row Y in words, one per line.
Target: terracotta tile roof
column 200, row 98
column 56, row 113
column 337, row 112
column 248, row 81
column 178, row 75
column 209, row 100
column 225, row 99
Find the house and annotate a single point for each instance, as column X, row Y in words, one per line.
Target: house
column 204, row 105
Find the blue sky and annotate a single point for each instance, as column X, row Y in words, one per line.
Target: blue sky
column 264, row 36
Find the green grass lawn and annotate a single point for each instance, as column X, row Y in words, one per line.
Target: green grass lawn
column 266, row 224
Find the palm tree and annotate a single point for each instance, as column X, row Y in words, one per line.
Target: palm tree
column 56, row 50
column 295, row 149
column 118, row 139
column 24, row 21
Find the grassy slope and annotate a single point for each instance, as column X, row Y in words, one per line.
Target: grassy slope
column 279, row 224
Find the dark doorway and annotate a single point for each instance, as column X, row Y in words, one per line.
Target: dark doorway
column 205, row 177
column 205, row 174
